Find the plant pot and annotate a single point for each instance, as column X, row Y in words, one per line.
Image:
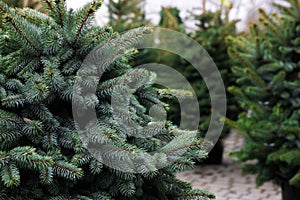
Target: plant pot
column 215, row 156
column 289, row 192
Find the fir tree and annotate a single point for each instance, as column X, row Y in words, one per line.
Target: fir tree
column 268, row 91
column 125, row 15
column 213, row 28
column 41, row 153
column 170, row 19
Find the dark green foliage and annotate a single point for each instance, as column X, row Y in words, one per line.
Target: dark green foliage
column 170, row 19
column 41, row 153
column 125, row 15
column 268, row 90
column 212, row 30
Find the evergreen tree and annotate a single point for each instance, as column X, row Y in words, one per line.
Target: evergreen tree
column 268, row 91
column 125, row 15
column 41, row 152
column 170, row 19
column 213, row 28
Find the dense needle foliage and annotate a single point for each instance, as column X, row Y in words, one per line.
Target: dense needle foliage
column 41, row 153
column 268, row 91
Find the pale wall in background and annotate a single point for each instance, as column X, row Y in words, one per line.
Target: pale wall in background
column 246, row 10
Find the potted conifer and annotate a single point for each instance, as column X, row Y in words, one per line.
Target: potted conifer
column 268, row 92
column 212, row 29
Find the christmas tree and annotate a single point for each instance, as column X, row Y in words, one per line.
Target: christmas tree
column 268, row 92
column 42, row 152
column 170, row 19
column 212, row 29
column 125, row 15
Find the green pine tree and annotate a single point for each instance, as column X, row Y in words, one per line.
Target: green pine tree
column 42, row 155
column 170, row 19
column 212, row 29
column 125, row 15
column 268, row 91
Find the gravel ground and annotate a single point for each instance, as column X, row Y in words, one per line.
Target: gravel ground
column 226, row 181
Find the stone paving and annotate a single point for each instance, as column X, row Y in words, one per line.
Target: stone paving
column 226, row 181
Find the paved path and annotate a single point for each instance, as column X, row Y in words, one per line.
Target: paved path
column 226, row 181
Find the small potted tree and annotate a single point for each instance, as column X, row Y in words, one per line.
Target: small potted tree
column 212, row 29
column 268, row 92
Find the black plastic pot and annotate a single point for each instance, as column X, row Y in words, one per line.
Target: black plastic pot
column 215, row 156
column 289, row 192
